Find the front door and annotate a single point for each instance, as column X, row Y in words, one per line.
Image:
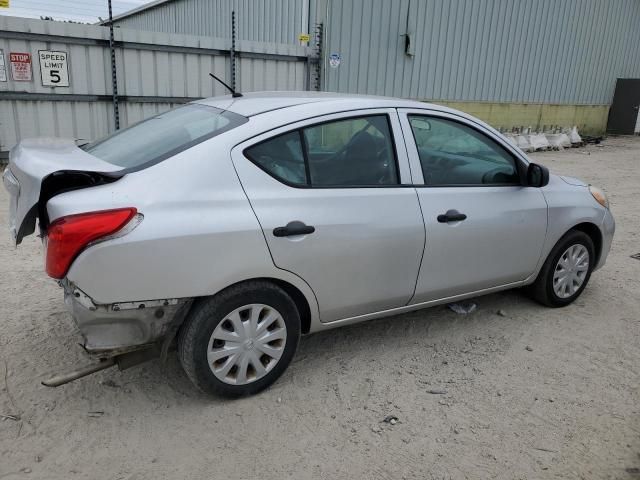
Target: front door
column 334, row 200
column 624, row 114
column 483, row 228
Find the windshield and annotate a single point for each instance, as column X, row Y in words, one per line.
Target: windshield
column 164, row 135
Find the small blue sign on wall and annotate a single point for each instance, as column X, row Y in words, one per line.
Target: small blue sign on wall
column 334, row 60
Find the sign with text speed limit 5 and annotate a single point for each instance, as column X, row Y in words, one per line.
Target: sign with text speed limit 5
column 54, row 68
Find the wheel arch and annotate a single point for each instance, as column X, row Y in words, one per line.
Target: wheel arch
column 299, row 298
column 592, row 230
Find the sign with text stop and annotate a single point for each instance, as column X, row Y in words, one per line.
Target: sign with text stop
column 54, row 68
column 20, row 66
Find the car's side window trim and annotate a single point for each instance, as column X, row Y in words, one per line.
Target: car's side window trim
column 512, row 158
column 305, row 156
column 304, row 146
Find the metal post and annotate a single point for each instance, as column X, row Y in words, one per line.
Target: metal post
column 317, row 57
column 232, row 52
column 114, row 76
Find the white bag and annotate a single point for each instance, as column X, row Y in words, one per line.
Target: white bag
column 523, row 143
column 539, row 141
column 574, row 137
column 558, row 141
column 511, row 138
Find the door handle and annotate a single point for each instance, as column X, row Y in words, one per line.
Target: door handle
column 293, row 228
column 451, row 216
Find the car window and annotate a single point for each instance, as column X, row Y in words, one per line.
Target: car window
column 454, row 154
column 164, row 135
column 281, row 157
column 351, row 152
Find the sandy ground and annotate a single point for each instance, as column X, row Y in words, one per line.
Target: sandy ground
column 536, row 393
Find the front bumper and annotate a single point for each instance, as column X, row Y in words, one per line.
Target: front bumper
column 113, row 329
column 607, row 228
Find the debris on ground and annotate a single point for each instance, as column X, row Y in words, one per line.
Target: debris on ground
column 10, row 417
column 437, row 392
column 391, row 419
column 95, row 414
column 110, row 383
column 501, row 313
column 462, row 308
column 528, row 348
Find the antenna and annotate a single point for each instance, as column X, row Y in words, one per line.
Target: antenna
column 234, row 94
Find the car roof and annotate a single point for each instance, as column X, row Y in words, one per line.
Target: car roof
column 255, row 103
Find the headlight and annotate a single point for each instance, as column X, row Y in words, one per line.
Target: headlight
column 599, row 195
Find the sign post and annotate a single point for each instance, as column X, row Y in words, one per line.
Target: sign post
column 54, row 68
column 3, row 67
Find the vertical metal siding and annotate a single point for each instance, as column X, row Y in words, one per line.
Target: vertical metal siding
column 272, row 21
column 142, row 72
column 543, row 51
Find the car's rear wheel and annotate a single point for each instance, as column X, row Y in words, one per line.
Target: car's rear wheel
column 241, row 340
column 566, row 271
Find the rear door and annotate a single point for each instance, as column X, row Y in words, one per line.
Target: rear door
column 334, row 198
column 484, row 228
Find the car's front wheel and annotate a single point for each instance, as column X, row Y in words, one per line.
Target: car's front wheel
column 241, row 340
column 566, row 271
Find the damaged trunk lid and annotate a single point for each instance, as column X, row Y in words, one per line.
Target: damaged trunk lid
column 42, row 168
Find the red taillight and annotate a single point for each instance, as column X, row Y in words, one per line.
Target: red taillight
column 68, row 236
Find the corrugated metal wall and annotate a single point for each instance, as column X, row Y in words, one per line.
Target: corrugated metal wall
column 155, row 72
column 537, row 51
column 542, row 51
column 272, row 21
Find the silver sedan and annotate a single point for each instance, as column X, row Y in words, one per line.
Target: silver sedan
column 228, row 227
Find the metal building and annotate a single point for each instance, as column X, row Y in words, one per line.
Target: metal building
column 57, row 79
column 511, row 62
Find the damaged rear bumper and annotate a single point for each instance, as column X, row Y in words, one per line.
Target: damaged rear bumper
column 113, row 329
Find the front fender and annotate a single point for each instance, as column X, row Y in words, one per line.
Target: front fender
column 570, row 205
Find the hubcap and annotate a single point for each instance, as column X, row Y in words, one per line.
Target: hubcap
column 247, row 344
column 571, row 271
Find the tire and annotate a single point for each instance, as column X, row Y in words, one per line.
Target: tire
column 212, row 338
column 543, row 290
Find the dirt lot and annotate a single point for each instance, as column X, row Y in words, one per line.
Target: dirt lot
column 532, row 393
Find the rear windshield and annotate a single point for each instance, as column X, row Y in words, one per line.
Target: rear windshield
column 164, row 135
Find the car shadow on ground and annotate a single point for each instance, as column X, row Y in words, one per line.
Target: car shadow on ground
column 324, row 351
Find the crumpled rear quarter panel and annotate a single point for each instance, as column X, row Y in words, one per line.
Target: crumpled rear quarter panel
column 198, row 235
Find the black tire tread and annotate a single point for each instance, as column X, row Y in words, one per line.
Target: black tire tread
column 206, row 308
column 541, row 290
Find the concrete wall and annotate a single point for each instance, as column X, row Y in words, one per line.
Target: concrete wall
column 590, row 119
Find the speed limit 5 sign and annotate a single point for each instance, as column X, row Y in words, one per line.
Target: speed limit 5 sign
column 54, row 68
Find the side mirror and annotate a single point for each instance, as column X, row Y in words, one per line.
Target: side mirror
column 537, row 175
